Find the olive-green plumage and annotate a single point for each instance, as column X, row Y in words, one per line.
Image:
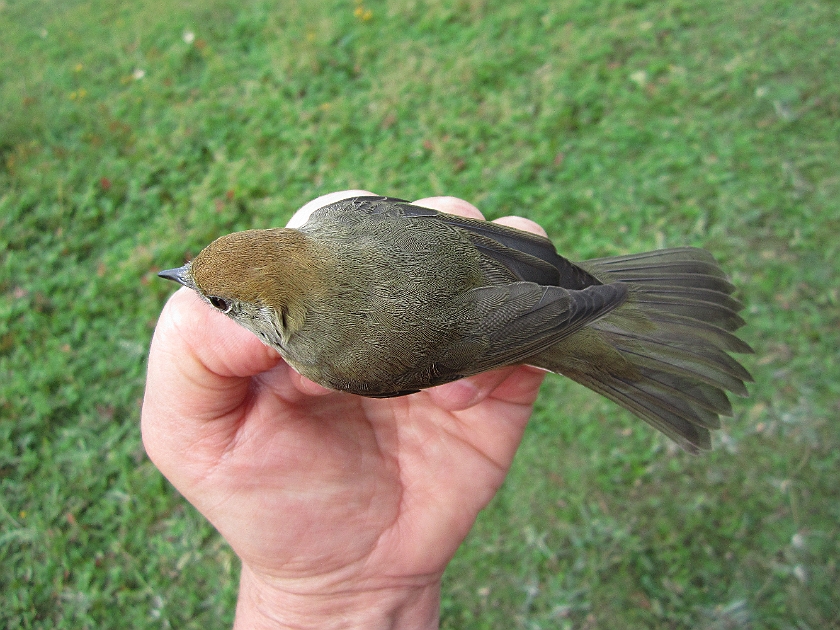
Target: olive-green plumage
column 376, row 297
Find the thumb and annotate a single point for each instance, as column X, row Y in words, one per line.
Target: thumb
column 199, row 373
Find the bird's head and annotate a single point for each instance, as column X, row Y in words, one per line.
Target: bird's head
column 259, row 278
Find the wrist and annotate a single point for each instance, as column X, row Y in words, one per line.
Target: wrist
column 262, row 606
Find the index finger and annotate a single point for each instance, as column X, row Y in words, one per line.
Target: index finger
column 450, row 205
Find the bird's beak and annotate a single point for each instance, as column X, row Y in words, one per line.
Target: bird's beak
column 180, row 275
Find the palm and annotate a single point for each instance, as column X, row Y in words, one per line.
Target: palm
column 323, row 486
column 318, row 491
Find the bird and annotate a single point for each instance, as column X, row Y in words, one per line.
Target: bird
column 378, row 297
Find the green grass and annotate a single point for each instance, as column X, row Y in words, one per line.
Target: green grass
column 619, row 125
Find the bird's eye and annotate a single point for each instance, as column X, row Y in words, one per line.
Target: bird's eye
column 220, row 303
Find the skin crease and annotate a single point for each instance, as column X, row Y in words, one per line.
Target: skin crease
column 343, row 510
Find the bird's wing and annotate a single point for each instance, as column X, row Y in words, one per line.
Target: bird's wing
column 527, row 257
column 516, row 321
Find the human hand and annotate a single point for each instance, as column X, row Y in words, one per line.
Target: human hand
column 344, row 510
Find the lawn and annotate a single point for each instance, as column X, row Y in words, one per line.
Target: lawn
column 132, row 134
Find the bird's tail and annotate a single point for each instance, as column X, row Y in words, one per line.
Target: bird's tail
column 664, row 353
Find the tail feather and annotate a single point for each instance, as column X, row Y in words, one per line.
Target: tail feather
column 700, row 358
column 701, row 394
column 663, row 354
column 675, row 361
column 710, row 312
column 675, row 330
column 681, row 294
column 690, row 330
column 684, row 431
column 689, row 280
column 655, row 258
column 677, row 403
